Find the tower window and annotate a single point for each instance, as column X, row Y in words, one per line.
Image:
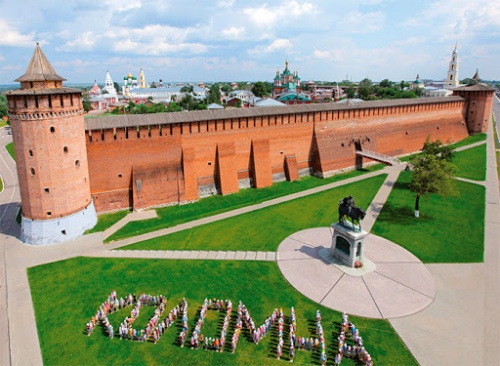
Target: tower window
column 47, row 190
column 52, row 129
column 30, row 152
column 65, row 149
column 77, row 163
column 49, row 213
column 32, row 171
column 63, row 232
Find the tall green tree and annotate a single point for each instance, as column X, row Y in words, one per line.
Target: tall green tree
column 214, row 94
column 259, row 89
column 350, row 91
column 3, row 105
column 386, row 83
column 433, row 172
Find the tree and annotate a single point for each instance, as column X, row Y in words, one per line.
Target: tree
column 173, row 107
column 116, row 86
column 350, row 91
column 259, row 89
column 433, row 172
column 87, row 106
column 226, row 88
column 214, row 94
column 187, row 89
column 366, row 82
column 3, row 106
column 386, row 83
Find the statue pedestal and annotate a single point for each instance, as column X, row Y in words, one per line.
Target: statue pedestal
column 348, row 244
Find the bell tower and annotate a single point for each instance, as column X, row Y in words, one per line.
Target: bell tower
column 51, row 156
column 452, row 78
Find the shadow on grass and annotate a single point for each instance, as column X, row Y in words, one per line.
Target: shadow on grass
column 401, row 215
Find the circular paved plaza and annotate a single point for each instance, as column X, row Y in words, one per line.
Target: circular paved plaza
column 398, row 285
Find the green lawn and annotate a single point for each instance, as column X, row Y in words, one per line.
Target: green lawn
column 66, row 294
column 1, row 184
column 449, row 230
column 105, row 221
column 10, row 148
column 471, row 163
column 469, row 140
column 174, row 215
column 264, row 229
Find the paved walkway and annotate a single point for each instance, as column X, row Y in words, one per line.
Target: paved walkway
column 445, row 332
column 397, row 284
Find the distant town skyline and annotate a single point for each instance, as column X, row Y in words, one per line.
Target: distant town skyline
column 233, row 40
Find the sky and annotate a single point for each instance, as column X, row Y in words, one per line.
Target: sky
column 240, row 40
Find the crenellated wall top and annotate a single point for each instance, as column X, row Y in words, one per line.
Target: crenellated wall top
column 135, row 120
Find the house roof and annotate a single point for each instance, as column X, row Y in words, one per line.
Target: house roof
column 214, row 106
column 39, row 68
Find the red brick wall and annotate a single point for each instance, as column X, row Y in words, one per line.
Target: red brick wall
column 223, row 151
column 393, row 135
column 112, row 158
column 478, row 109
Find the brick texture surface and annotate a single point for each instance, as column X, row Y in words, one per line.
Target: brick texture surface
column 173, row 161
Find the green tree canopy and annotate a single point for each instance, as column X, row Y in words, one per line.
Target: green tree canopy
column 214, row 94
column 187, row 89
column 3, row 106
column 259, row 89
column 350, row 91
column 386, row 83
column 433, row 172
column 226, row 88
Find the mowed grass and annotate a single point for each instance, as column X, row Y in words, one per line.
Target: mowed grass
column 449, row 229
column 105, row 221
column 471, row 163
column 67, row 294
column 174, row 215
column 10, row 149
column 469, row 140
column 264, row 229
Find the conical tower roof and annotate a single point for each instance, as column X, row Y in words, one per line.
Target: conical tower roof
column 39, row 69
column 476, row 77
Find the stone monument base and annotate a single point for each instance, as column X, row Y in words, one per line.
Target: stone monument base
column 368, row 265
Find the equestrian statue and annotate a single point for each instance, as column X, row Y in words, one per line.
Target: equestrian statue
column 347, row 208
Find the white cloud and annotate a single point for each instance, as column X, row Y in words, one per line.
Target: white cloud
column 233, row 32
column 276, row 45
column 358, row 22
column 459, row 19
column 12, row 37
column 267, row 16
column 123, row 5
column 333, row 55
column 84, row 42
column 74, row 63
column 225, row 3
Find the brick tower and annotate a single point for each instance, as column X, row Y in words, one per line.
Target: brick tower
column 51, row 156
column 478, row 107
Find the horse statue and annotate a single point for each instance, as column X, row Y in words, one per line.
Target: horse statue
column 347, row 208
